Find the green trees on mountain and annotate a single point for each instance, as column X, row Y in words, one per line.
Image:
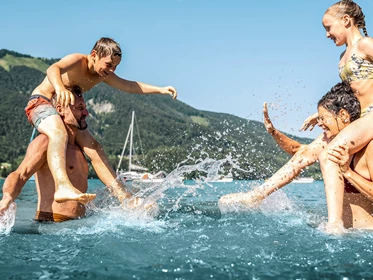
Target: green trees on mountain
column 167, row 132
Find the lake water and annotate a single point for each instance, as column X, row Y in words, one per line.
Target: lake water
column 190, row 240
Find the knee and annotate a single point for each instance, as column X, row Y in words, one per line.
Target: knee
column 323, row 157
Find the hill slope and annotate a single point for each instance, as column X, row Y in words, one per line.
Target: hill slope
column 171, row 131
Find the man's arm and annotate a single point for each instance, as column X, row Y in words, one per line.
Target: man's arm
column 36, row 156
column 138, row 87
column 289, row 145
column 101, row 164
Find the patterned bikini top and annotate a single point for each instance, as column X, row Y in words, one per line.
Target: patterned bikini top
column 356, row 69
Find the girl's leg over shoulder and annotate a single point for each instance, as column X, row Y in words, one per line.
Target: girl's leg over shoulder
column 356, row 136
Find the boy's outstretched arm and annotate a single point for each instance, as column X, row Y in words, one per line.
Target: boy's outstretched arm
column 289, row 145
column 36, row 156
column 138, row 87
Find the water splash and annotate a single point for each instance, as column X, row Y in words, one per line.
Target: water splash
column 8, row 218
column 207, row 171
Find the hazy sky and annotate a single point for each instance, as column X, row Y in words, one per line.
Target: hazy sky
column 222, row 55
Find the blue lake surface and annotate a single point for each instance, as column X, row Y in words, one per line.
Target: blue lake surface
column 190, row 239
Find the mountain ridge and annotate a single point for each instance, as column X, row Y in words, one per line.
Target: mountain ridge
column 171, row 131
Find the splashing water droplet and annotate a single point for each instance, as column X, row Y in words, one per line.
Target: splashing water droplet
column 7, row 219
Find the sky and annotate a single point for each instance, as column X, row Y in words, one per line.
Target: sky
column 226, row 56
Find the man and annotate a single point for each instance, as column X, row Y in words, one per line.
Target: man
column 35, row 161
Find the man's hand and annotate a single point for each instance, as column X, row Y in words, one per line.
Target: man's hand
column 137, row 203
column 267, row 121
column 310, row 122
column 7, row 216
column 4, row 204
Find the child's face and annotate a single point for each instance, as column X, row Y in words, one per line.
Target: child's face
column 105, row 66
column 335, row 29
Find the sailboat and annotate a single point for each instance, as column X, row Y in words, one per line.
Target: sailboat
column 136, row 172
column 303, row 180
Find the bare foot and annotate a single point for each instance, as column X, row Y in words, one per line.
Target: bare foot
column 334, row 228
column 64, row 194
column 237, row 202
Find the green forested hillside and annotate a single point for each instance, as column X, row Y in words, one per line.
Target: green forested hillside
column 170, row 131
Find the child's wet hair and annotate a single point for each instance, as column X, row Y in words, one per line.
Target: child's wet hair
column 340, row 97
column 352, row 9
column 107, row 47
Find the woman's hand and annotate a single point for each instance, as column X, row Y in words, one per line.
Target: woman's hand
column 310, row 122
column 340, row 156
column 267, row 121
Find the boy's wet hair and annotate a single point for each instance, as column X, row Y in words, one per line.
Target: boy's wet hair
column 107, row 47
column 340, row 97
column 352, row 9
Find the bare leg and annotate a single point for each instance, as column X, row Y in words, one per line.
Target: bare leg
column 355, row 136
column 305, row 156
column 54, row 128
column 334, row 191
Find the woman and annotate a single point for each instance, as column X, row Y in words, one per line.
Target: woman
column 342, row 22
column 336, row 110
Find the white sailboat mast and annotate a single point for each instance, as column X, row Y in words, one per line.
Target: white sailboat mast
column 129, row 133
column 131, row 139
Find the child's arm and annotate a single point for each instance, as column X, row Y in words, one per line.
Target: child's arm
column 54, row 72
column 101, row 164
column 36, row 156
column 138, row 87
